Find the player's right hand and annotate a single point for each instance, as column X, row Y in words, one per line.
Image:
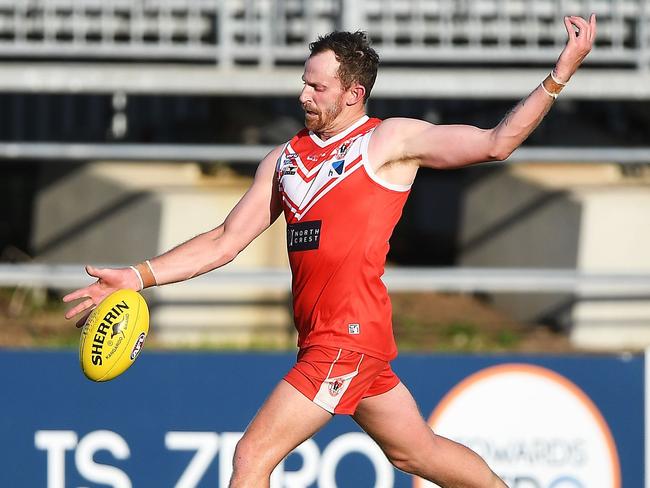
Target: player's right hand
column 581, row 37
column 108, row 281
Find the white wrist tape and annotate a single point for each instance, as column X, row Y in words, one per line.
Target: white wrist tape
column 556, row 80
column 155, row 278
column 552, row 95
column 137, row 273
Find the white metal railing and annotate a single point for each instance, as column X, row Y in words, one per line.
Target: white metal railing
column 268, row 32
column 519, row 280
column 240, row 153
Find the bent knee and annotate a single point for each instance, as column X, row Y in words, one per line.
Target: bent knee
column 407, row 462
column 406, row 465
column 424, row 460
column 251, row 457
column 244, row 455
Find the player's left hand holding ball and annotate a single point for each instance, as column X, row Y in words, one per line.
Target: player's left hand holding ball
column 113, row 335
column 109, row 280
column 115, row 325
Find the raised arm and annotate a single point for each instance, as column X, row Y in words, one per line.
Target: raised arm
column 255, row 212
column 452, row 146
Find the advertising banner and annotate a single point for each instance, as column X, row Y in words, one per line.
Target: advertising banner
column 173, row 420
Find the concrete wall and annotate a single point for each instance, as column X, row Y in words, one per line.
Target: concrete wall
column 615, row 236
column 99, row 213
column 508, row 221
column 123, row 213
column 585, row 217
column 590, row 218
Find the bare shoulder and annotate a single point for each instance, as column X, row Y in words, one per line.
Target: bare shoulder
column 398, row 127
column 268, row 163
column 272, row 156
column 389, row 139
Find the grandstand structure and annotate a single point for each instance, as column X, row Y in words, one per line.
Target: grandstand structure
column 96, row 92
column 470, row 48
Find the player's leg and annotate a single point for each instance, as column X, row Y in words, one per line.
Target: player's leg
column 393, row 420
column 286, row 419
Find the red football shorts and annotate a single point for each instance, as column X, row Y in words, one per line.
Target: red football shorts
column 338, row 379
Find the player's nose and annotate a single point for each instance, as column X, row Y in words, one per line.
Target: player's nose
column 304, row 95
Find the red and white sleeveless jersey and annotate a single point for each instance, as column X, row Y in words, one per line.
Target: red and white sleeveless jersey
column 340, row 216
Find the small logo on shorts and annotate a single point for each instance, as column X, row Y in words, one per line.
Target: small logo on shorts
column 335, row 387
column 354, row 329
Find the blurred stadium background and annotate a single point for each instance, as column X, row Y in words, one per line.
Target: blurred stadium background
column 129, row 126
column 151, row 116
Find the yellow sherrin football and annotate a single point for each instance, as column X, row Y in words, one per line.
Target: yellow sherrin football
column 113, row 335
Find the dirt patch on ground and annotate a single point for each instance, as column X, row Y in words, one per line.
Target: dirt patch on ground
column 423, row 322
column 34, row 319
column 458, row 322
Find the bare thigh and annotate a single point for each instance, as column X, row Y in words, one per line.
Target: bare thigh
column 284, row 421
column 395, row 423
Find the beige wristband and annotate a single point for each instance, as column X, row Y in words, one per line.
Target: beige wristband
column 552, row 95
column 552, row 86
column 146, row 273
column 555, row 79
column 153, row 273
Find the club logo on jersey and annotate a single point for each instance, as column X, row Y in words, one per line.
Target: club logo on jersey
column 303, row 236
column 336, row 169
column 288, row 165
column 354, row 329
column 335, row 387
column 343, row 149
column 288, row 169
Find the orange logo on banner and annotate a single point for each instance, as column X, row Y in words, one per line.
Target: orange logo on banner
column 498, row 407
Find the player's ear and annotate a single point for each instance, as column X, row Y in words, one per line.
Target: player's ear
column 356, row 94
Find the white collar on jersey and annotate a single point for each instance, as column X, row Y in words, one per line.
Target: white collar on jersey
column 340, row 135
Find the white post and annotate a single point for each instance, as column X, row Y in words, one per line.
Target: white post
column 224, row 40
column 351, row 15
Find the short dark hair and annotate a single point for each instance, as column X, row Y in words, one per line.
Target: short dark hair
column 358, row 61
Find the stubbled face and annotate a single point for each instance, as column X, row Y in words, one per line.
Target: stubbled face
column 322, row 96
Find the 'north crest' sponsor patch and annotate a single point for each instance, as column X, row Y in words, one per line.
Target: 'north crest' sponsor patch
column 303, row 236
